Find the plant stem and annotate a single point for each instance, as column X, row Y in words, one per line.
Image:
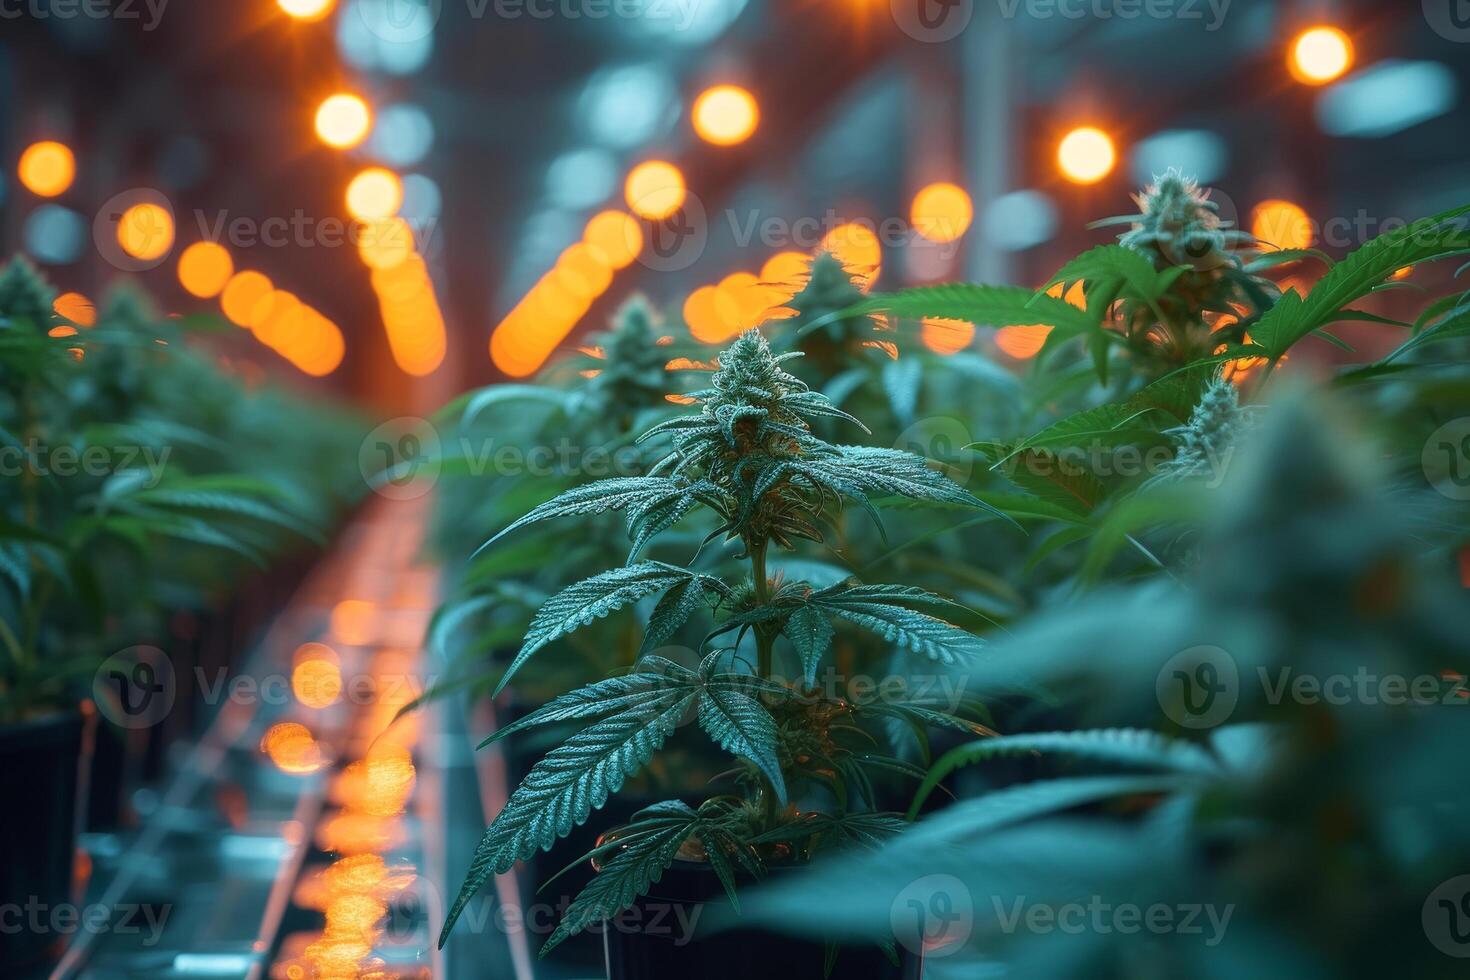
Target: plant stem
column 764, row 641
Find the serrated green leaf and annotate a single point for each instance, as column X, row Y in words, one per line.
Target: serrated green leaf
column 1114, row 268
column 1057, row 482
column 591, row 599
column 635, row 866
column 1294, row 317
column 908, row 628
column 672, row 612
column 596, row 498
column 563, row 788
column 740, row 725
column 810, row 633
column 984, row 306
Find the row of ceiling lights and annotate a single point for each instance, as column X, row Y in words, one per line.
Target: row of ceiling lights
column 723, row 115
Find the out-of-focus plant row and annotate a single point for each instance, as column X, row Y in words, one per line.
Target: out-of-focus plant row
column 140, row 479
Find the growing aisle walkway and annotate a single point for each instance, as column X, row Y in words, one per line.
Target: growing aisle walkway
column 307, row 835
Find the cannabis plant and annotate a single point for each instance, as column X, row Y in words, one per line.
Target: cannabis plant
column 593, row 404
column 802, row 783
column 1179, row 269
column 1256, row 768
column 91, row 553
column 1192, row 768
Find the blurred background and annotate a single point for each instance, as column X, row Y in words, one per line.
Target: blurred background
column 451, row 190
column 389, row 202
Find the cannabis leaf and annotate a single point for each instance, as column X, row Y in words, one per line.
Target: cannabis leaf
column 1060, row 482
column 637, row 713
column 673, row 611
column 1121, row 746
column 1115, row 269
column 810, row 633
column 596, row 498
column 740, row 725
column 997, row 306
column 884, row 610
column 654, row 679
column 572, row 780
column 828, row 831
column 1293, row 317
column 595, row 597
column 644, row 850
column 652, row 516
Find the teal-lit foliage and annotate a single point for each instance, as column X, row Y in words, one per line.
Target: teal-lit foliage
column 1293, row 539
column 749, row 458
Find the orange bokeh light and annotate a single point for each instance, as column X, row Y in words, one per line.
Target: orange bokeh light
column 942, row 212
column 1279, row 224
column 385, row 244
column 1086, row 155
column 945, row 336
column 1320, row 55
column 654, row 189
column 375, row 194
column 725, row 115
column 787, row 273
column 343, row 120
column 703, row 315
column 47, row 168
column 276, row 318
column 307, row 10
column 321, row 348
column 1025, row 341
column 205, row 269
column 316, row 679
column 746, row 302
column 292, row 748
column 242, row 293
column 582, row 273
column 146, row 231
column 76, row 308
column 616, row 236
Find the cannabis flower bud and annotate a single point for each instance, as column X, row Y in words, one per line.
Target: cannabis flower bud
column 1216, row 427
column 1178, row 224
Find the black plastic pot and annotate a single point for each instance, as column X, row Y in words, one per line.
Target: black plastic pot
column 665, row 935
column 41, row 760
